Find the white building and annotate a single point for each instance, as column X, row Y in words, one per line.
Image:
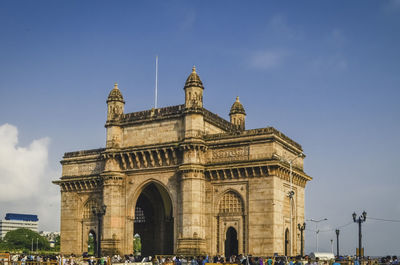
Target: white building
column 14, row 221
column 50, row 236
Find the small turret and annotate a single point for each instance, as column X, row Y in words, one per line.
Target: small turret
column 115, row 103
column 238, row 114
column 193, row 91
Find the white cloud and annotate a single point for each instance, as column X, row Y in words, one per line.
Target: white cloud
column 20, row 167
column 25, row 178
column 267, row 59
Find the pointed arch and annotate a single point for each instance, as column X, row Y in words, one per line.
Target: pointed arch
column 88, row 206
column 164, row 192
column 287, row 241
column 151, row 209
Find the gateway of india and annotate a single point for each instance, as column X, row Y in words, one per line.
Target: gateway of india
column 185, row 180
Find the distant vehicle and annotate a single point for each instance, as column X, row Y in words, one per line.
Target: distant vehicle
column 322, row 255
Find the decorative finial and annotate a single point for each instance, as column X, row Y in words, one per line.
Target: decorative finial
column 237, row 99
column 194, row 69
column 115, row 85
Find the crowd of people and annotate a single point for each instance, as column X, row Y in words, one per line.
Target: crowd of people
column 85, row 259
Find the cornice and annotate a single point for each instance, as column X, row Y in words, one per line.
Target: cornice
column 252, row 132
column 81, row 153
column 79, row 184
column 247, row 171
column 152, row 115
column 134, row 159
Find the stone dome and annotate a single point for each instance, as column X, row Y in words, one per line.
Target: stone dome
column 237, row 107
column 193, row 80
column 115, row 95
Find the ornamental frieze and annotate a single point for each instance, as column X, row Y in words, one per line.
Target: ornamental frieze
column 230, row 154
column 83, row 169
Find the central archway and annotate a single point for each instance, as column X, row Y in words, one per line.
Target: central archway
column 153, row 221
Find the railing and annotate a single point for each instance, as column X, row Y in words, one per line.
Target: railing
column 59, row 261
column 7, row 259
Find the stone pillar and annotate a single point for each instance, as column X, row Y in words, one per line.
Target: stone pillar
column 192, row 229
column 113, row 220
column 191, row 239
column 70, row 224
column 114, row 199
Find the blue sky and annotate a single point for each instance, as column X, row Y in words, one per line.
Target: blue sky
column 325, row 73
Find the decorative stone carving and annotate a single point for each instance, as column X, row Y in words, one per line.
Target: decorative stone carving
column 229, row 154
column 230, row 204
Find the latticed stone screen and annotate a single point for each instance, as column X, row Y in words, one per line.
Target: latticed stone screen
column 230, row 203
column 139, row 215
column 87, row 210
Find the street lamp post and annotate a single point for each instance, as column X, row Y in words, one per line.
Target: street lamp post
column 316, row 230
column 290, row 193
column 337, row 241
column 99, row 212
column 301, row 228
column 361, row 219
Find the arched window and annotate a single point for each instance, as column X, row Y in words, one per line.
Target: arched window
column 231, row 203
column 287, row 241
column 87, row 209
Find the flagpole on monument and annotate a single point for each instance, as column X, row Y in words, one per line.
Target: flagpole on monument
column 156, row 88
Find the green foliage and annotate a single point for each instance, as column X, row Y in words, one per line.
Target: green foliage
column 91, row 245
column 57, row 243
column 21, row 239
column 137, row 245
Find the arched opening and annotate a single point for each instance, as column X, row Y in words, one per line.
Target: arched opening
column 231, row 211
column 153, row 221
column 287, row 242
column 92, row 244
column 231, row 242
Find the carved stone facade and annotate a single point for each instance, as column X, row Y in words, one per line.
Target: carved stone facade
column 187, row 181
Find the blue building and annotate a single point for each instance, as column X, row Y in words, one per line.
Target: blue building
column 14, row 221
column 22, row 217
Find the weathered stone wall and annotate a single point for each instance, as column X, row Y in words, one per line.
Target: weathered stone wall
column 70, row 223
column 211, row 129
column 260, row 216
column 157, row 132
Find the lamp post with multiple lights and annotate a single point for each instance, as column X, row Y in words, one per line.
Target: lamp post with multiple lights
column 291, row 192
column 316, row 230
column 361, row 219
column 337, row 241
column 99, row 212
column 301, row 228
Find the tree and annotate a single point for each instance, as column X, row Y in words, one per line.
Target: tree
column 57, row 241
column 91, row 245
column 25, row 239
column 137, row 245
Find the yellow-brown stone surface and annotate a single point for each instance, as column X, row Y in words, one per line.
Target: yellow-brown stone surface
column 187, row 181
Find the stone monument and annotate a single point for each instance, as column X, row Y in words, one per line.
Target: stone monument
column 186, row 181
